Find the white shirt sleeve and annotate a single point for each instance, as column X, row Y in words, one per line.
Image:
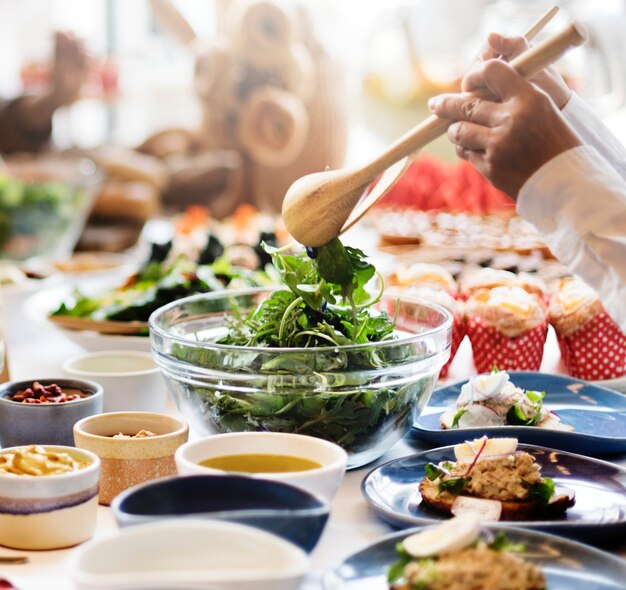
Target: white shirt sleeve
column 595, row 133
column 578, row 203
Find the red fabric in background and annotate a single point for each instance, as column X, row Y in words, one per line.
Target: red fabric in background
column 430, row 184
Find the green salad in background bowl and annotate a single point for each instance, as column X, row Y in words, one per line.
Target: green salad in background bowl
column 321, row 355
column 44, row 204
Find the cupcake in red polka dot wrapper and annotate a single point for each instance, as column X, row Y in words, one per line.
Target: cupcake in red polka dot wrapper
column 592, row 345
column 490, row 278
column 507, row 327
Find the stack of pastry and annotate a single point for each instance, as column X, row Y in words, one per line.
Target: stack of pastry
column 434, row 284
column 592, row 345
column 506, row 320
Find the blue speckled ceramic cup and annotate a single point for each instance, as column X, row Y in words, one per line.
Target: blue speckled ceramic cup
column 48, row 424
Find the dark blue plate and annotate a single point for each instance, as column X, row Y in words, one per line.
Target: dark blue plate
column 276, row 507
column 567, row 565
column 600, row 487
column 598, row 416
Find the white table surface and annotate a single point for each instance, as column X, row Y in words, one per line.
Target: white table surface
column 36, row 353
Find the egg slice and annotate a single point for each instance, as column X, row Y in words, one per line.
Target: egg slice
column 487, row 447
column 453, row 535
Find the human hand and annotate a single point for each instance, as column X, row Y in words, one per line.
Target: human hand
column 510, row 137
column 548, row 80
column 69, row 68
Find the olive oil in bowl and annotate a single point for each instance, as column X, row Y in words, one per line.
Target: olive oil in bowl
column 260, row 463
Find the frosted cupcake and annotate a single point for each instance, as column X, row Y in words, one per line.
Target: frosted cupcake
column 490, row 278
column 421, row 274
column 507, row 327
column 592, row 345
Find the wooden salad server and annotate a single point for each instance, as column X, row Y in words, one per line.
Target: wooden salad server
column 319, row 207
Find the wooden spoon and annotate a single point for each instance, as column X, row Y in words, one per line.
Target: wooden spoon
column 317, row 206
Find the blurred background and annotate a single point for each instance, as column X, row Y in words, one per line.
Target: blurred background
column 223, row 103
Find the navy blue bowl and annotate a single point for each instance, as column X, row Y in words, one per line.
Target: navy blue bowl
column 278, row 508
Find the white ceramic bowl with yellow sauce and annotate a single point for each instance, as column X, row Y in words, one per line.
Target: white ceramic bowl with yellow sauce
column 48, row 509
column 322, row 479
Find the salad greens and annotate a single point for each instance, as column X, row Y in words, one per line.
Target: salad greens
column 160, row 282
column 542, row 490
column 295, row 363
column 36, row 216
column 310, row 313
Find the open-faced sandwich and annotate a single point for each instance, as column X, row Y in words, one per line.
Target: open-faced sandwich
column 494, row 479
column 492, row 400
column 456, row 555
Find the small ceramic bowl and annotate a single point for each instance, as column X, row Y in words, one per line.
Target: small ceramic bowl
column 189, row 554
column 322, row 481
column 131, row 380
column 129, row 461
column 49, row 511
column 278, row 508
column 51, row 423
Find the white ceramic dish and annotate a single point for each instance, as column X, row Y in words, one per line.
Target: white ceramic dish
column 37, row 307
column 95, row 266
column 13, row 296
column 322, row 481
column 50, row 511
column 186, row 554
column 131, row 380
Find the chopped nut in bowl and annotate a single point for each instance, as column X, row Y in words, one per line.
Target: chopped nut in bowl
column 144, row 451
column 44, row 411
column 48, row 496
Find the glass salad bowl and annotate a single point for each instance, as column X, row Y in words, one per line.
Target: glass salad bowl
column 363, row 397
column 44, row 204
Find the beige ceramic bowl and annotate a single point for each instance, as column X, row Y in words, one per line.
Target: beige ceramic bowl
column 49, row 511
column 129, row 461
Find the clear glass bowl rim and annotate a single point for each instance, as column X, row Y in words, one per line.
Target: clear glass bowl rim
column 157, row 316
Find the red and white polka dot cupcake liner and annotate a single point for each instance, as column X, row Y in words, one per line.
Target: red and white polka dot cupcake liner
column 492, row 348
column 595, row 351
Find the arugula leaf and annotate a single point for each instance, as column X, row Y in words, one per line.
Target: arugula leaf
column 541, row 491
column 454, row 485
column 433, row 471
column 535, row 396
column 457, row 417
column 396, row 570
column 501, row 543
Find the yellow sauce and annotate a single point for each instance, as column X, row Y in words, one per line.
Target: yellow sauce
column 35, row 460
column 260, row 463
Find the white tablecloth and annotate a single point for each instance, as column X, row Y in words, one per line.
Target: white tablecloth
column 39, row 352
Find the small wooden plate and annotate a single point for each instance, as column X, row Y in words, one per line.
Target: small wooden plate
column 101, row 326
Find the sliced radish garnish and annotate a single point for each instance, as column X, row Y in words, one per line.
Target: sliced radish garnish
column 486, row 510
column 477, row 415
column 453, row 535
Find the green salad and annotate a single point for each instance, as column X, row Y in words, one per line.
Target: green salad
column 36, row 216
column 157, row 283
column 314, row 357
